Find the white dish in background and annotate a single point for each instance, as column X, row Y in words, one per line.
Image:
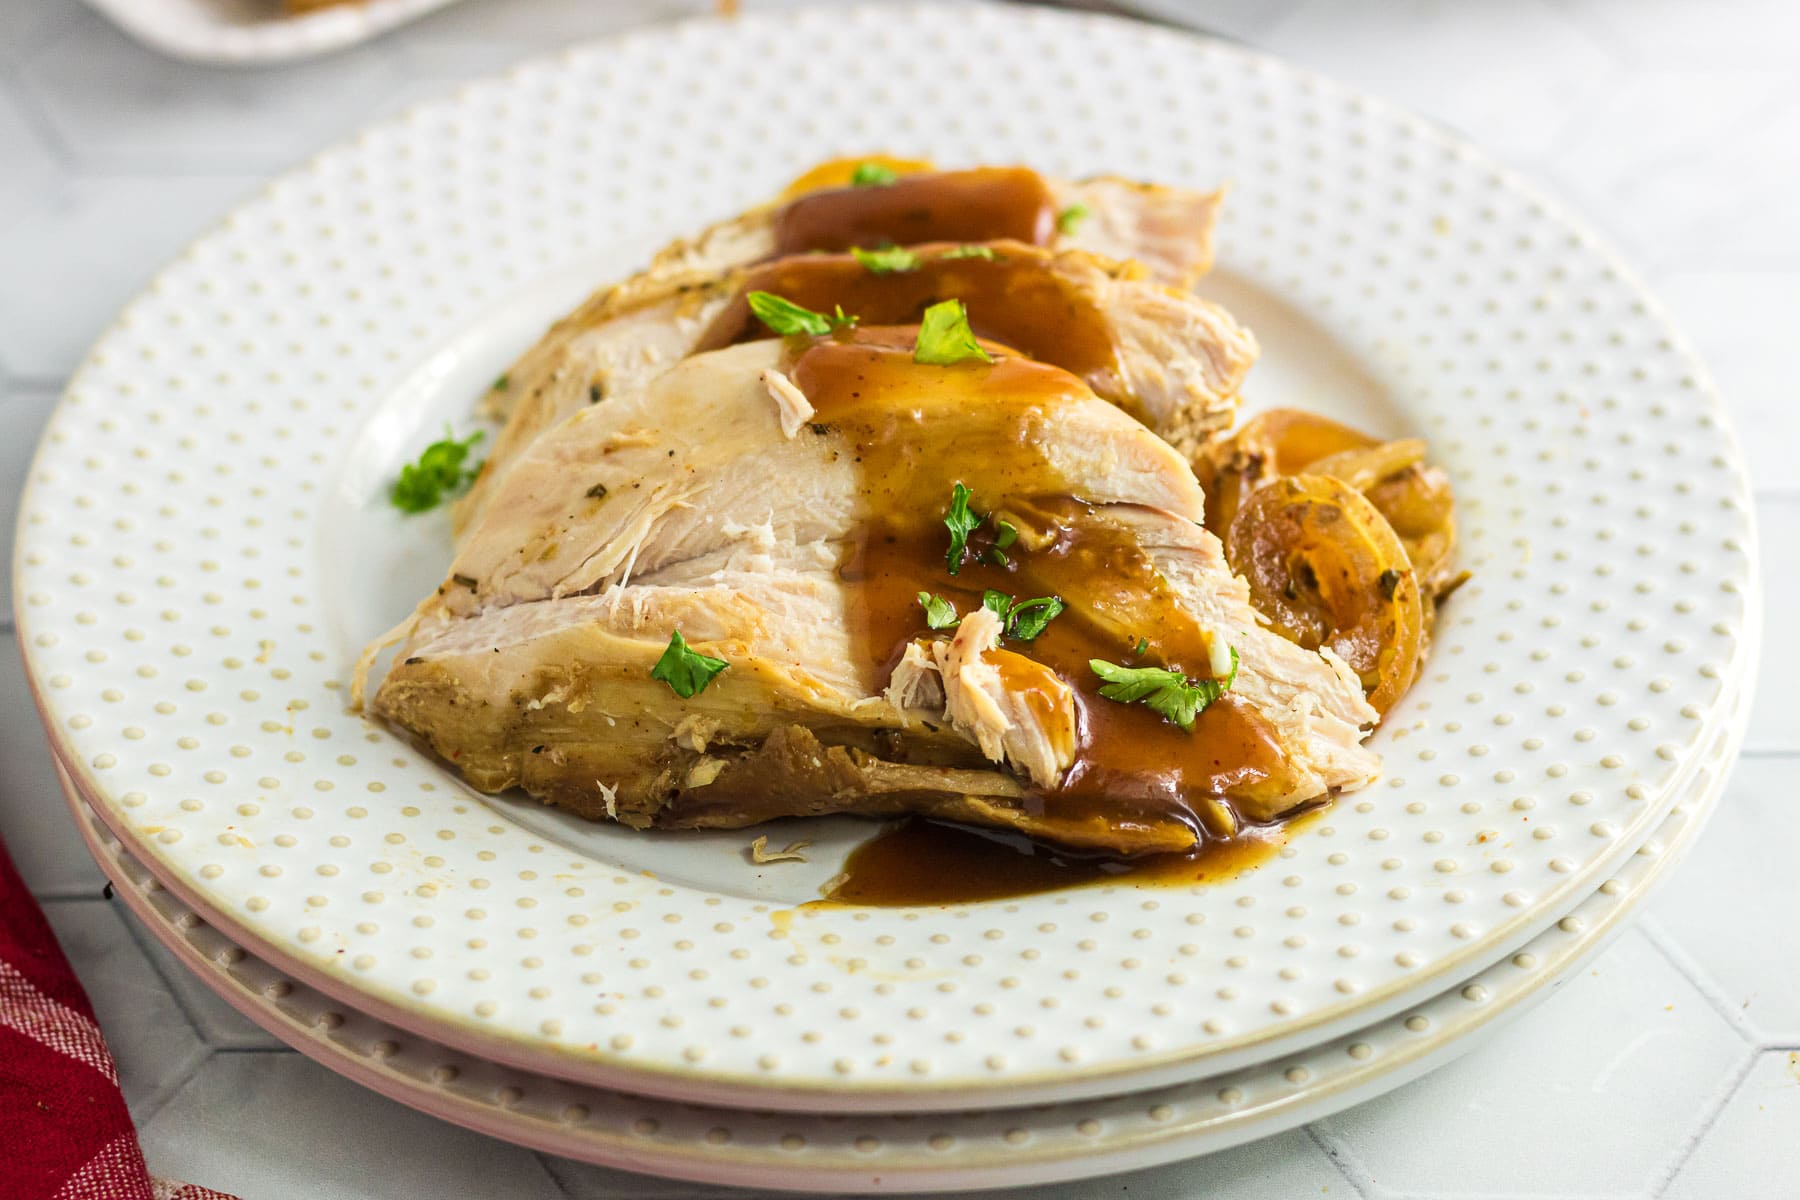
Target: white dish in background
column 239, row 423
column 249, row 32
column 907, row 1153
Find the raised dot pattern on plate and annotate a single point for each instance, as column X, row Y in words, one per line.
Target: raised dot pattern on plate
column 189, row 666
column 930, row 1152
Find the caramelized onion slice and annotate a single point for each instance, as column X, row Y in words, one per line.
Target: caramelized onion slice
column 1363, row 468
column 1419, row 504
column 1278, row 442
column 1327, row 570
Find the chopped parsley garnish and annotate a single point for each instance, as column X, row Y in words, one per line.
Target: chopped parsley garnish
column 1006, row 534
column 686, row 671
column 786, row 318
column 1022, row 619
column 1170, row 693
column 987, row 252
column 872, row 174
column 1029, row 618
column 939, row 612
column 423, row 485
column 961, row 523
column 886, row 260
column 1070, row 217
column 1143, row 645
column 945, row 337
column 501, row 384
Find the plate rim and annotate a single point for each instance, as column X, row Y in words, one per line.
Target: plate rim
column 1000, row 1168
column 1016, row 1088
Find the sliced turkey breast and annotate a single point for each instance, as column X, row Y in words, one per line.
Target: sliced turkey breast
column 796, row 555
column 1168, row 229
column 1168, row 357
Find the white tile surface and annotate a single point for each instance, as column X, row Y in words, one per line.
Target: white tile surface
column 1240, row 20
column 23, row 410
column 1691, row 170
column 34, row 821
column 26, row 24
column 465, row 40
column 280, row 1127
column 1717, row 310
column 1750, row 1152
column 1695, row 33
column 1673, row 124
column 28, row 162
column 152, row 1043
column 1586, row 1096
column 1470, row 78
column 96, row 240
column 1731, row 908
column 116, row 106
column 221, row 1026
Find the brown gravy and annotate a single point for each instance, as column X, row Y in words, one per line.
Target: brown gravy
column 921, row 863
column 917, row 431
column 1015, row 298
column 978, row 205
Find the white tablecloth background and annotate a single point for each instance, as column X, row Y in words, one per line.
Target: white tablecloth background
column 1670, row 1068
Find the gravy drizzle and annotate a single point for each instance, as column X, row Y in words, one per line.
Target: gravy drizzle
column 1015, row 298
column 977, row 205
column 916, row 431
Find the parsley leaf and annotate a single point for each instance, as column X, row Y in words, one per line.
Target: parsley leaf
column 686, row 671
column 1070, row 217
column 1029, row 618
column 939, row 612
column 961, row 523
column 945, row 337
column 1006, row 534
column 886, row 260
column 1169, row 693
column 872, row 174
column 786, row 318
column 423, row 485
column 987, row 252
column 1022, row 619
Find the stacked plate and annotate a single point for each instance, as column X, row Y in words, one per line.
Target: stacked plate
column 205, row 545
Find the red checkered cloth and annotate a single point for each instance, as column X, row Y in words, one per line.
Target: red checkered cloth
column 64, row 1131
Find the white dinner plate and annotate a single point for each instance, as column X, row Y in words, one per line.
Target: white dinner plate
column 878, row 1153
column 205, row 544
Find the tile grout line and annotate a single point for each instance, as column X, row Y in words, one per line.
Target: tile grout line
column 167, row 1090
column 1698, row 978
column 1347, row 1164
column 141, row 938
column 543, row 1161
column 71, row 898
column 1722, row 1099
column 43, row 129
column 284, row 1048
